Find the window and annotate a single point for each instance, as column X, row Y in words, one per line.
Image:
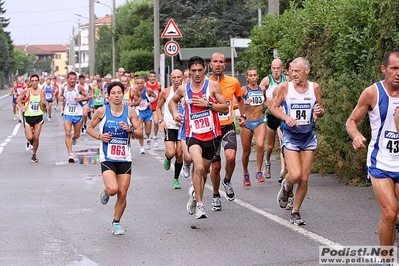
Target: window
column 57, row 68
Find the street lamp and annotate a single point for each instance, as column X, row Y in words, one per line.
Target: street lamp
column 113, row 17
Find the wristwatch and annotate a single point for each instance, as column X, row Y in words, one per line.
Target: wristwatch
column 160, row 121
column 132, row 130
column 209, row 105
column 244, row 116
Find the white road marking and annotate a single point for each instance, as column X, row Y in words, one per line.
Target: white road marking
column 8, row 139
column 4, row 96
column 297, row 229
column 281, row 221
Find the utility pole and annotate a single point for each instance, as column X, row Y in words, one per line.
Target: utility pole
column 92, row 42
column 113, row 29
column 156, row 37
column 113, row 37
column 274, row 7
column 79, row 44
column 72, row 51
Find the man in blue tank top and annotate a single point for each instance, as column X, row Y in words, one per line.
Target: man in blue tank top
column 49, row 96
column 381, row 102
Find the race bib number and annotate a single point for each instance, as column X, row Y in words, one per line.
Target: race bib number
column 100, row 98
column 117, row 149
column 143, row 105
column 72, row 108
column 201, row 122
column 34, row 107
column 391, row 144
column 225, row 116
column 301, row 112
column 49, row 95
column 256, row 97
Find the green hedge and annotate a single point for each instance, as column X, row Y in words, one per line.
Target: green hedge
column 344, row 40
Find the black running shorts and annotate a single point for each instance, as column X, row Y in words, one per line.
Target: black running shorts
column 32, row 120
column 119, row 168
column 228, row 141
column 208, row 147
column 172, row 135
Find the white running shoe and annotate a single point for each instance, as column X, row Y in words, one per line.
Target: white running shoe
column 71, row 159
column 104, row 198
column 186, row 169
column 290, row 204
column 74, row 141
column 148, row 144
column 155, row 142
column 216, row 204
column 266, row 170
column 27, row 146
column 142, row 150
column 200, row 211
column 191, row 202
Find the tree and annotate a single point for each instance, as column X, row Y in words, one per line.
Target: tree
column 6, row 45
column 21, row 63
column 209, row 23
column 5, row 57
column 4, row 22
column 103, row 51
column 344, row 40
column 134, row 34
column 137, row 60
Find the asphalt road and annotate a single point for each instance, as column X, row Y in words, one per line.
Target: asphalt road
column 51, row 214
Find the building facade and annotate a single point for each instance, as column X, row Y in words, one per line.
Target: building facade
column 54, row 54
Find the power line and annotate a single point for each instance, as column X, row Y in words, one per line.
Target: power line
column 45, row 11
column 41, row 24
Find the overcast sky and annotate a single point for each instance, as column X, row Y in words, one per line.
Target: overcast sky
column 49, row 21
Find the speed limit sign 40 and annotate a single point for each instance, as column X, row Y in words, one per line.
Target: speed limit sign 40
column 171, row 48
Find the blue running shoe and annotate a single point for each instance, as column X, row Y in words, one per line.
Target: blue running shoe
column 103, row 197
column 117, row 229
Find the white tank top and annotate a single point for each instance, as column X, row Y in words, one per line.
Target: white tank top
column 300, row 106
column 72, row 107
column 383, row 150
column 167, row 116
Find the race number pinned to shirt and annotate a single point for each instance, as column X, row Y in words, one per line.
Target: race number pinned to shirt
column 34, row 107
column 225, row 116
column 117, row 148
column 48, row 95
column 257, row 98
column 391, row 143
column 201, row 122
column 301, row 112
column 143, row 105
column 72, row 108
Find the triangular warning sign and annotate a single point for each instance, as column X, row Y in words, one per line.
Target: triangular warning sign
column 171, row 30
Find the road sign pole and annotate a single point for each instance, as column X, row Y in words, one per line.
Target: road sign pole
column 173, row 61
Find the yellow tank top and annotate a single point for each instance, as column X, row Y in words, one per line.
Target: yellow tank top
column 33, row 105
